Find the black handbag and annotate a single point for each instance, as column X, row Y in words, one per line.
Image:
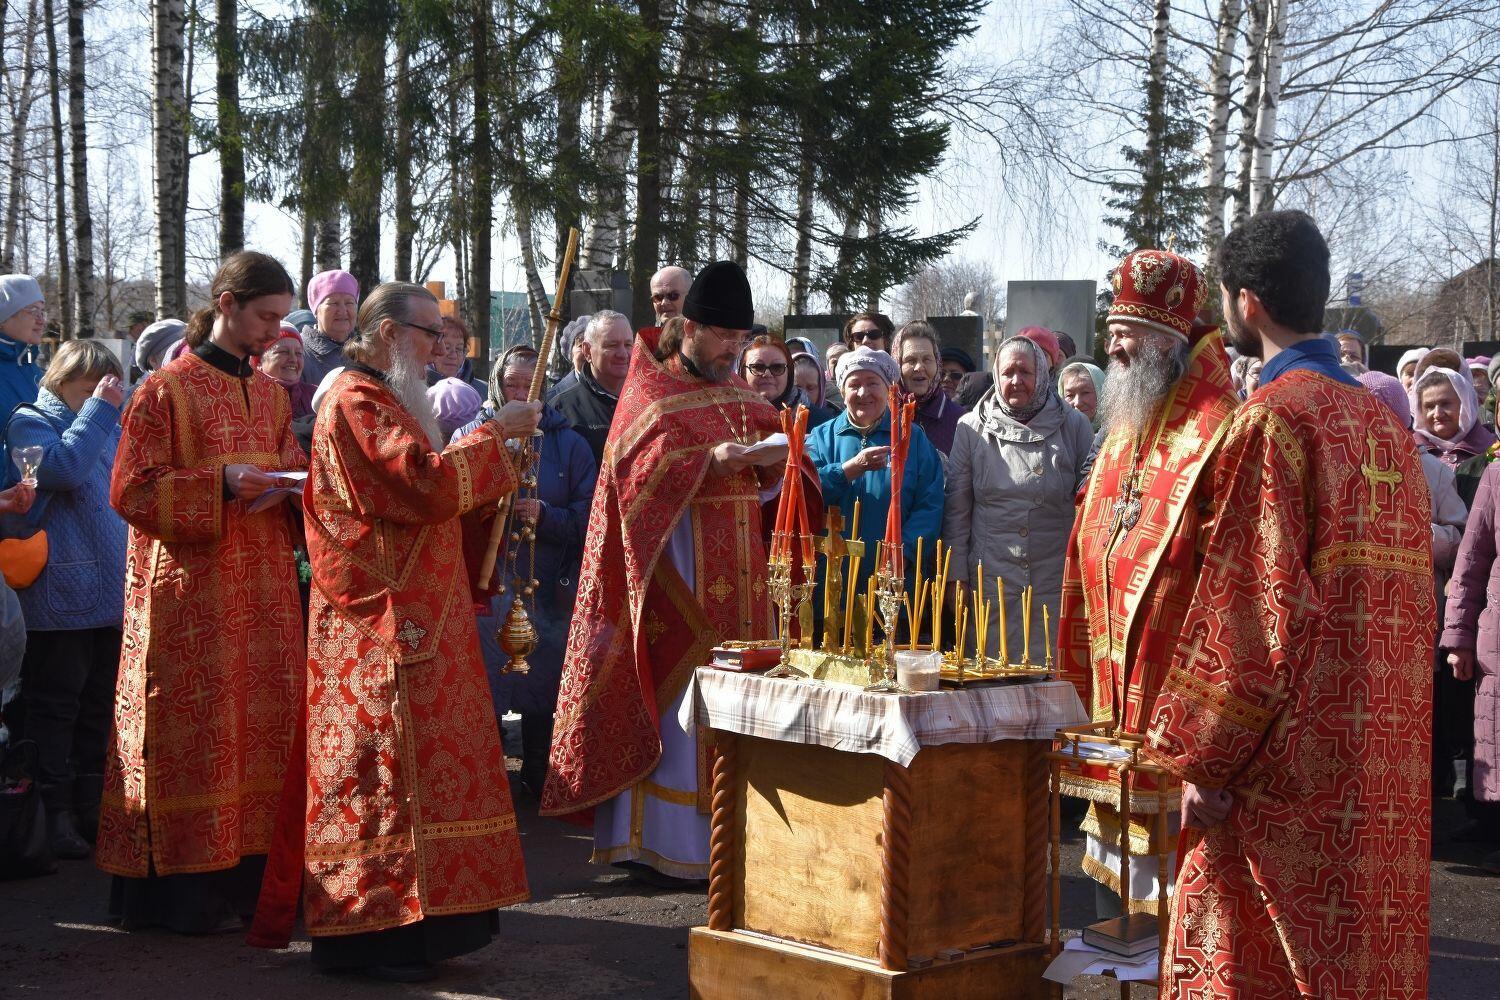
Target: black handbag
column 25, row 848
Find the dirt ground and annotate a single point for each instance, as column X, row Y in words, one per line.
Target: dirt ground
column 589, row 933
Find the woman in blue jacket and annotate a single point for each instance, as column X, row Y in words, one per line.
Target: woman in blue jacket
column 560, row 507
column 852, row 455
column 74, row 609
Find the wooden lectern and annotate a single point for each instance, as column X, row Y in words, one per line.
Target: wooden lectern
column 845, row 874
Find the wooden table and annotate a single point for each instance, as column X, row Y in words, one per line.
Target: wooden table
column 838, row 871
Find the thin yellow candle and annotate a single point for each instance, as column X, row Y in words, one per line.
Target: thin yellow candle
column 1026, row 625
column 982, row 651
column 911, row 623
column 854, row 527
column 851, row 585
column 1004, row 636
column 869, row 616
column 1047, row 633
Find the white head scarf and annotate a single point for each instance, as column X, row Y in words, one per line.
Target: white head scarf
column 1468, row 406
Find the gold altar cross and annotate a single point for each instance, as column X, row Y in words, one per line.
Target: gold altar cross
column 1377, row 476
column 832, row 544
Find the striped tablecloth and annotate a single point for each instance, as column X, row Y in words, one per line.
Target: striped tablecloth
column 894, row 726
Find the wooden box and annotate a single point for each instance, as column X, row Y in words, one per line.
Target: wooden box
column 858, row 867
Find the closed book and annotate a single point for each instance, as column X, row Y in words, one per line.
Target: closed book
column 760, row 658
column 1129, row 936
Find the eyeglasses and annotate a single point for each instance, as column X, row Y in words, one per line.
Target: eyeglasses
column 434, row 334
column 759, row 369
column 37, row 309
column 665, row 296
column 736, row 338
column 951, row 377
column 866, row 335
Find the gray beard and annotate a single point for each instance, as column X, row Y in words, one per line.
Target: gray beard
column 408, row 380
column 1132, row 395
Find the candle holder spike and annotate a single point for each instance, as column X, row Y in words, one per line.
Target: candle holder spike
column 780, row 587
column 890, row 588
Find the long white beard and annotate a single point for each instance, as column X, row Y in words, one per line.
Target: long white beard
column 1133, row 394
column 407, row 377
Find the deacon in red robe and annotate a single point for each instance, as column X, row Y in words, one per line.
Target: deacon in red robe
column 211, row 667
column 674, row 563
column 1138, row 539
column 1298, row 706
column 400, row 827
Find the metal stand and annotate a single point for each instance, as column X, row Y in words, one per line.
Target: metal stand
column 1069, row 753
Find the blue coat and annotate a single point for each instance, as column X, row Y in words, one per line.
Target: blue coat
column 83, row 584
column 831, row 444
column 565, row 484
column 19, row 375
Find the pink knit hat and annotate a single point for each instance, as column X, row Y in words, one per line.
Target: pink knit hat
column 1047, row 341
column 326, row 283
column 1389, row 391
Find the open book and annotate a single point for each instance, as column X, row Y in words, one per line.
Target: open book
column 287, row 484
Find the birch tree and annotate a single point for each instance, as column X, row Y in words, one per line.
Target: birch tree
column 83, row 224
column 231, row 140
column 20, row 116
column 1215, row 192
column 169, row 117
column 59, row 176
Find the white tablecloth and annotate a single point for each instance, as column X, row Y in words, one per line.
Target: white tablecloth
column 895, row 726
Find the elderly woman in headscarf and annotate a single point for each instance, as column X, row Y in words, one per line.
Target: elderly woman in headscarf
column 918, row 353
column 1452, row 732
column 282, row 362
column 1406, row 366
column 1446, row 412
column 1018, row 460
column 1081, row 384
column 852, row 454
column 807, row 375
column 565, row 475
column 767, row 365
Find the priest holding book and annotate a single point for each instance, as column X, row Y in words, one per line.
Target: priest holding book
column 674, row 563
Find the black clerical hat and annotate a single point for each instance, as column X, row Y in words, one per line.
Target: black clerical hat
column 720, row 296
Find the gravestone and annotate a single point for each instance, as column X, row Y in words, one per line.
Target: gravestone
column 1068, row 306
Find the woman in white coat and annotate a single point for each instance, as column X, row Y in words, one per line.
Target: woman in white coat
column 1018, row 459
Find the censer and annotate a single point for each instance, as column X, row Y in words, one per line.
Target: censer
column 517, row 635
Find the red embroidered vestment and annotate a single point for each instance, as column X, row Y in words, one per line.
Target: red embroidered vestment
column 211, row 667
column 1126, row 591
column 407, row 810
column 1303, row 686
column 638, row 630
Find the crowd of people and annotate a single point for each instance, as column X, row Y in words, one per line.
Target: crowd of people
column 237, row 699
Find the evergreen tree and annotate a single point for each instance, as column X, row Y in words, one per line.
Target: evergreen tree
column 1163, row 202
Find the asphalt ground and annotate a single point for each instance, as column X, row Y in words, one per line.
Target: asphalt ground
column 588, row 933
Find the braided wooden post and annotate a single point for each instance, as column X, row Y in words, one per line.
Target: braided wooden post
column 895, row 868
column 1038, row 837
column 721, row 838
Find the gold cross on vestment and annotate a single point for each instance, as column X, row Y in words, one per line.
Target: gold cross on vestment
column 1347, row 815
column 1184, row 443
column 1376, row 476
column 1359, row 717
column 1331, row 910
column 411, row 633
column 226, row 428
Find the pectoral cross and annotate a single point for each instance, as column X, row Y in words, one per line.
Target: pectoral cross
column 1127, row 506
column 1376, row 476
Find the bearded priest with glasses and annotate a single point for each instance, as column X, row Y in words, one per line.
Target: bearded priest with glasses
column 395, row 820
column 674, row 564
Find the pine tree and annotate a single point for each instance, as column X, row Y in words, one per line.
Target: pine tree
column 1163, row 202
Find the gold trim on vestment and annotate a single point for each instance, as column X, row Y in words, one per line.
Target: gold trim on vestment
column 1212, row 698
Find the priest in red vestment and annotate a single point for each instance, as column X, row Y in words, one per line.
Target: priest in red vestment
column 673, row 564
column 212, row 660
column 1138, row 539
column 1298, row 707
column 400, row 828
